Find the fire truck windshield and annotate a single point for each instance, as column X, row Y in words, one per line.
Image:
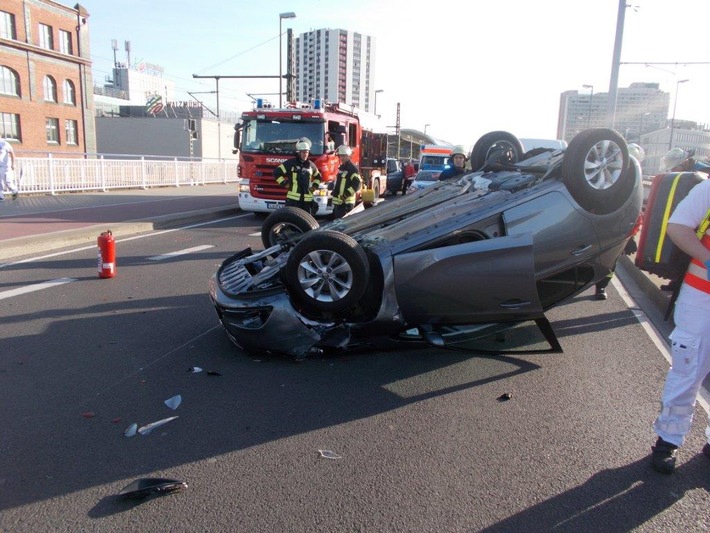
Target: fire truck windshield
column 280, row 137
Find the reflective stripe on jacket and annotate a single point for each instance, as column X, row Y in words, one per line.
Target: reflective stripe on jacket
column 697, row 274
column 347, row 184
column 298, row 178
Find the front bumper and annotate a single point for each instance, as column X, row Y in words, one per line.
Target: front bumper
column 263, row 319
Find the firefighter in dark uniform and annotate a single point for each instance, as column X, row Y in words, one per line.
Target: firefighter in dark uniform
column 457, row 159
column 347, row 184
column 300, row 177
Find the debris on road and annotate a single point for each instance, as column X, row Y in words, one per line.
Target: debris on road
column 328, row 454
column 174, row 402
column 145, row 430
column 151, row 486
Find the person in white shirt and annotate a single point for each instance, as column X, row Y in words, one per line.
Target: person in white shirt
column 690, row 340
column 7, row 169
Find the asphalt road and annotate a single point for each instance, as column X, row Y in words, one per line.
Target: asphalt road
column 424, row 444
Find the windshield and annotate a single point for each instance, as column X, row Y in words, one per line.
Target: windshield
column 433, row 161
column 427, row 175
column 272, row 137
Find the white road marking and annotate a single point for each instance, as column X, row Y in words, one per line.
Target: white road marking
column 257, row 234
column 36, row 287
column 180, row 252
column 143, row 236
column 655, row 336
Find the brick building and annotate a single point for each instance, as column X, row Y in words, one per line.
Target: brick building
column 46, row 86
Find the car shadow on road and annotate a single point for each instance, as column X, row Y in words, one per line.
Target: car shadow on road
column 92, row 373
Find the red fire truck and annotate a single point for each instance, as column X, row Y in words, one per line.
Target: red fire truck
column 267, row 136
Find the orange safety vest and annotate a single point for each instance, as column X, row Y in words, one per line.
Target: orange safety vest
column 697, row 274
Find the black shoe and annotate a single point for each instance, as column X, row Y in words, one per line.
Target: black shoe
column 706, row 450
column 14, row 195
column 601, row 294
column 663, row 456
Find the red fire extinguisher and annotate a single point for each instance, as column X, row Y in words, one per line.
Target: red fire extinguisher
column 107, row 255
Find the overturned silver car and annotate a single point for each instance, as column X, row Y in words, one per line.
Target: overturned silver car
column 460, row 259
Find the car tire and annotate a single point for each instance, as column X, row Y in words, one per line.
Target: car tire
column 327, row 271
column 282, row 225
column 510, row 146
column 597, row 172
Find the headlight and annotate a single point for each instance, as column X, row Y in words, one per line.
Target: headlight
column 244, row 186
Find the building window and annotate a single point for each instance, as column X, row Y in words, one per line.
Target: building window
column 10, row 127
column 70, row 130
column 50, row 89
column 52, row 126
column 65, row 42
column 7, row 26
column 69, row 92
column 45, row 37
column 9, row 82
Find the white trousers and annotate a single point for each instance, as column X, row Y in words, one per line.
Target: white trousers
column 690, row 351
column 7, row 181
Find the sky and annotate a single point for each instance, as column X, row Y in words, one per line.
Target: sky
column 461, row 68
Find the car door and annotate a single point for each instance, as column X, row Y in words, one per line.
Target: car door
column 563, row 235
column 491, row 280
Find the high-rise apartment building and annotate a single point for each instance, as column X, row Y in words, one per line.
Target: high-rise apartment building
column 640, row 108
column 335, row 66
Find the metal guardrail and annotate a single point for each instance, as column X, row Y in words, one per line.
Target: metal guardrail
column 53, row 174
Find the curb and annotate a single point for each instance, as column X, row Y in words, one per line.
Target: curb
column 649, row 284
column 21, row 246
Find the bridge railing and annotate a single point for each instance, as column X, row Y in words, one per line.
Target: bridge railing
column 52, row 175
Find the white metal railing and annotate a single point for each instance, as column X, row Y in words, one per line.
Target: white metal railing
column 53, row 174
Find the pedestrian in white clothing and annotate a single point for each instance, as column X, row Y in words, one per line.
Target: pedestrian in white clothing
column 7, row 170
column 690, row 340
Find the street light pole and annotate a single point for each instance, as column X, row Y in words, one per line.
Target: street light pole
column 591, row 97
column 377, row 91
column 425, row 127
column 643, row 119
column 289, row 15
column 675, row 103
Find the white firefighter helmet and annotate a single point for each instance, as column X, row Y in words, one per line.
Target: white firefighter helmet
column 303, row 144
column 636, row 151
column 673, row 158
column 344, row 149
column 458, row 150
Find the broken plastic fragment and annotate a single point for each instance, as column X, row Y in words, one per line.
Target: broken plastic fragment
column 194, row 369
column 328, row 454
column 151, row 486
column 131, row 430
column 213, row 373
column 173, row 402
column 505, row 397
column 88, row 414
column 145, row 430
column 116, row 420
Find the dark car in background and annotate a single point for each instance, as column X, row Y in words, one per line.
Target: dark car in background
column 519, row 234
